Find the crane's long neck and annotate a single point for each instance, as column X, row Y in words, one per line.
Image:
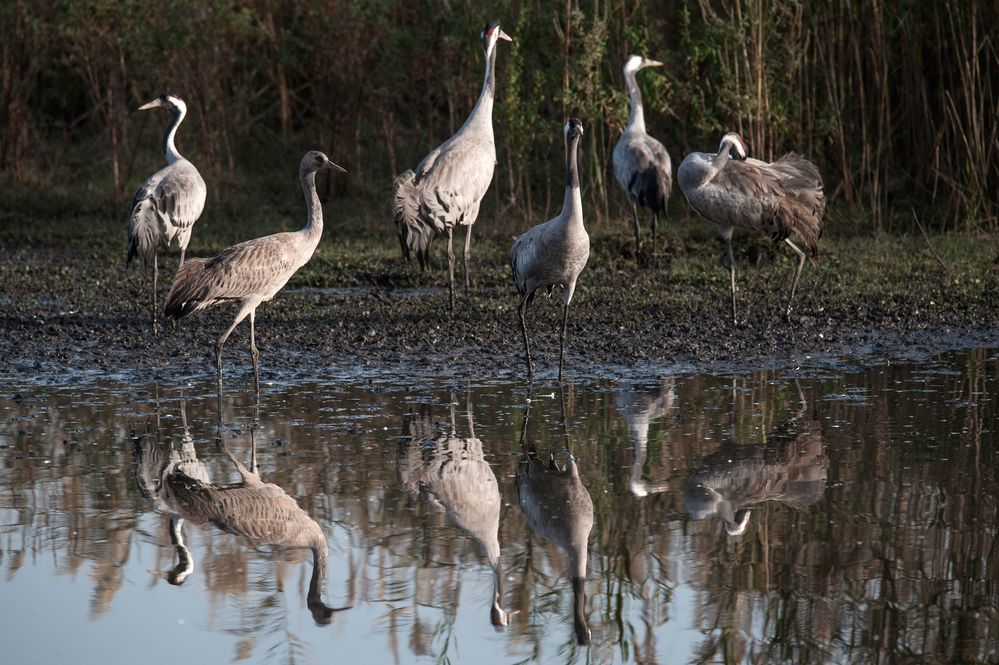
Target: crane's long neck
column 498, row 616
column 572, row 206
column 314, row 225
column 718, row 162
column 320, row 562
column 636, row 118
column 169, row 147
column 482, row 113
column 580, row 624
column 640, row 438
column 321, row 613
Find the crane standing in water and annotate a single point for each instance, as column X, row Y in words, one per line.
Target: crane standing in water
column 447, row 186
column 641, row 163
column 778, row 198
column 254, row 271
column 168, row 204
column 554, row 253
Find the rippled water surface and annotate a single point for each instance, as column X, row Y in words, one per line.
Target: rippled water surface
column 766, row 518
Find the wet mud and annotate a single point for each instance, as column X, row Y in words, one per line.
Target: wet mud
column 88, row 317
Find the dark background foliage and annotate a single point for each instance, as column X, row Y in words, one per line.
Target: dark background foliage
column 897, row 102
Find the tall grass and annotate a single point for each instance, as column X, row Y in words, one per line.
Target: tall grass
column 896, row 101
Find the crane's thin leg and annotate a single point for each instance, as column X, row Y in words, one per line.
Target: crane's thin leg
column 243, row 311
column 797, row 275
column 468, row 254
column 182, row 251
column 254, row 468
column 468, row 410
column 254, row 353
column 522, row 312
column 561, row 339
column 450, row 270
column 638, row 237
column 731, row 270
column 655, row 242
column 155, row 274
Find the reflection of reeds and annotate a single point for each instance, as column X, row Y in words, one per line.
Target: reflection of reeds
column 900, row 546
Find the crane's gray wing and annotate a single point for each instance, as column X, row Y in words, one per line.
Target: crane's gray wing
column 258, row 267
column 644, row 170
column 264, row 515
column 522, row 256
column 415, row 235
column 453, row 184
column 180, row 195
column 778, row 199
column 144, row 222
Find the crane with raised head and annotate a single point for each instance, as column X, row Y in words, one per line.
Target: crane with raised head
column 451, row 474
column 253, row 271
column 447, row 186
column 559, row 509
column 555, row 252
column 168, row 204
column 641, row 163
column 641, row 406
column 779, row 198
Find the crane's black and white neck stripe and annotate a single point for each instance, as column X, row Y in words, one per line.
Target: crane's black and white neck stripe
column 732, row 141
column 573, row 130
column 179, row 110
column 484, row 106
column 636, row 116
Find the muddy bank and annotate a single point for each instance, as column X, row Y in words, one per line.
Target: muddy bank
column 68, row 316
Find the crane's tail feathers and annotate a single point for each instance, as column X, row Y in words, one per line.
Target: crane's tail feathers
column 414, row 235
column 651, row 188
column 143, row 232
column 802, row 203
column 187, row 294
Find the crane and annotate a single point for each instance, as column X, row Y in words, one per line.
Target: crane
column 791, row 469
column 450, row 473
column 640, row 406
column 253, row 271
column 641, row 163
column 778, row 198
column 555, row 252
column 168, row 204
column 558, row 508
column 447, row 186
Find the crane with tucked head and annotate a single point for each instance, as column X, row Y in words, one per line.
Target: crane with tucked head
column 447, row 186
column 554, row 253
column 168, row 204
column 641, row 163
column 254, row 271
column 780, row 198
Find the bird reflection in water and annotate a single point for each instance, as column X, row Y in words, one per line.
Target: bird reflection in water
column 559, row 509
column 450, row 474
column 641, row 406
column 791, row 468
column 260, row 512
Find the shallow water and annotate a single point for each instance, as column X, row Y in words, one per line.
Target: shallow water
column 828, row 517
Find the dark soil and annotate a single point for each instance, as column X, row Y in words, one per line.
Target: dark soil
column 70, row 312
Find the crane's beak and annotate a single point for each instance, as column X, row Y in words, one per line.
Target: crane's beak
column 155, row 104
column 651, row 63
column 337, row 167
column 502, row 35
